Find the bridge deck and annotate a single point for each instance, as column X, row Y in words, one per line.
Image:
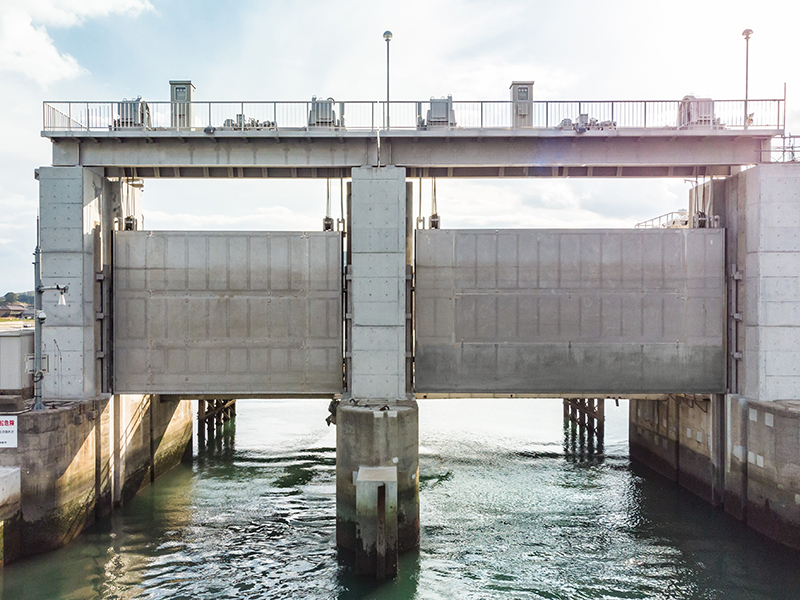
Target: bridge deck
column 482, row 139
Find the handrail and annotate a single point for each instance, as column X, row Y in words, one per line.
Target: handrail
column 782, row 149
column 433, row 114
column 676, row 218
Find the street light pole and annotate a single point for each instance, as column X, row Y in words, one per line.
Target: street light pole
column 387, row 35
column 746, row 33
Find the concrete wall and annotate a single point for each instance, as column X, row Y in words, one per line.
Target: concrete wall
column 675, row 437
column 767, row 197
column 773, row 470
column 77, row 462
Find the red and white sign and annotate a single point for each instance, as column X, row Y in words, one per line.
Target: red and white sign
column 8, row 431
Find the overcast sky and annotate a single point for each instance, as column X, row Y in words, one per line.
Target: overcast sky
column 271, row 50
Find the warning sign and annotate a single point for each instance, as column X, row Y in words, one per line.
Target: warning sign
column 8, row 431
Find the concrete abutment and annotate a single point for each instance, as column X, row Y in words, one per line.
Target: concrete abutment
column 89, row 450
column 741, row 450
column 77, row 463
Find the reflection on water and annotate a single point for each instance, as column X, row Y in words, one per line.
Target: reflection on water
column 511, row 507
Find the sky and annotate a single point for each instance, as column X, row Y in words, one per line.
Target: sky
column 281, row 50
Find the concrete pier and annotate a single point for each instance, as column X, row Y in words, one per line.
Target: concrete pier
column 377, row 420
column 368, row 437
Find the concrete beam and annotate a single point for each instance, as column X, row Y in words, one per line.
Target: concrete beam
column 460, row 153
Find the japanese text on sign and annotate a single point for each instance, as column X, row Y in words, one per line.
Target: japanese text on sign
column 8, row 431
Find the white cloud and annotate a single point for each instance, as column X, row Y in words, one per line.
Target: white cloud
column 27, row 49
column 67, row 13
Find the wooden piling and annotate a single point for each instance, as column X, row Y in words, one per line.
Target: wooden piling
column 587, row 416
column 212, row 415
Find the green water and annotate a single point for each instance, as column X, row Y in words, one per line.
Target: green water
column 507, row 510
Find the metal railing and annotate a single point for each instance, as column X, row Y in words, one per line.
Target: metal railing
column 408, row 115
column 677, row 218
column 782, row 149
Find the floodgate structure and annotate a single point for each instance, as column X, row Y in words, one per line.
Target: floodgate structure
column 695, row 318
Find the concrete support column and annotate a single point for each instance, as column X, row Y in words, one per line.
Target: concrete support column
column 78, row 208
column 377, row 422
column 70, row 202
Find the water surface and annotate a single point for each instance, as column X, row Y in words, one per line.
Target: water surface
column 508, row 510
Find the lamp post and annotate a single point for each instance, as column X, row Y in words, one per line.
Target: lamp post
column 387, row 35
column 746, row 33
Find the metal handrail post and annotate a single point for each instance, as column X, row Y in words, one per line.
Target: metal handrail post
column 783, row 128
column 37, row 325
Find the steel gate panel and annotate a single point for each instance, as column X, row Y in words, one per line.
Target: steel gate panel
column 570, row 311
column 227, row 312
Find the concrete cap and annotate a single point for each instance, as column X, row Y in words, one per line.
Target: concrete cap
column 380, row 474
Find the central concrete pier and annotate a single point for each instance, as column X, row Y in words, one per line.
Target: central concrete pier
column 377, row 420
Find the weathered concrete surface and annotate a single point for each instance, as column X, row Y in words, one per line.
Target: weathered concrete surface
column 675, row 438
column 773, row 474
column 376, row 521
column 367, row 436
column 78, row 461
column 736, row 471
column 653, row 435
column 9, row 513
column 695, row 470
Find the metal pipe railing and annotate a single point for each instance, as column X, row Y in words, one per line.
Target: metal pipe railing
column 429, row 114
column 676, row 218
column 781, row 149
